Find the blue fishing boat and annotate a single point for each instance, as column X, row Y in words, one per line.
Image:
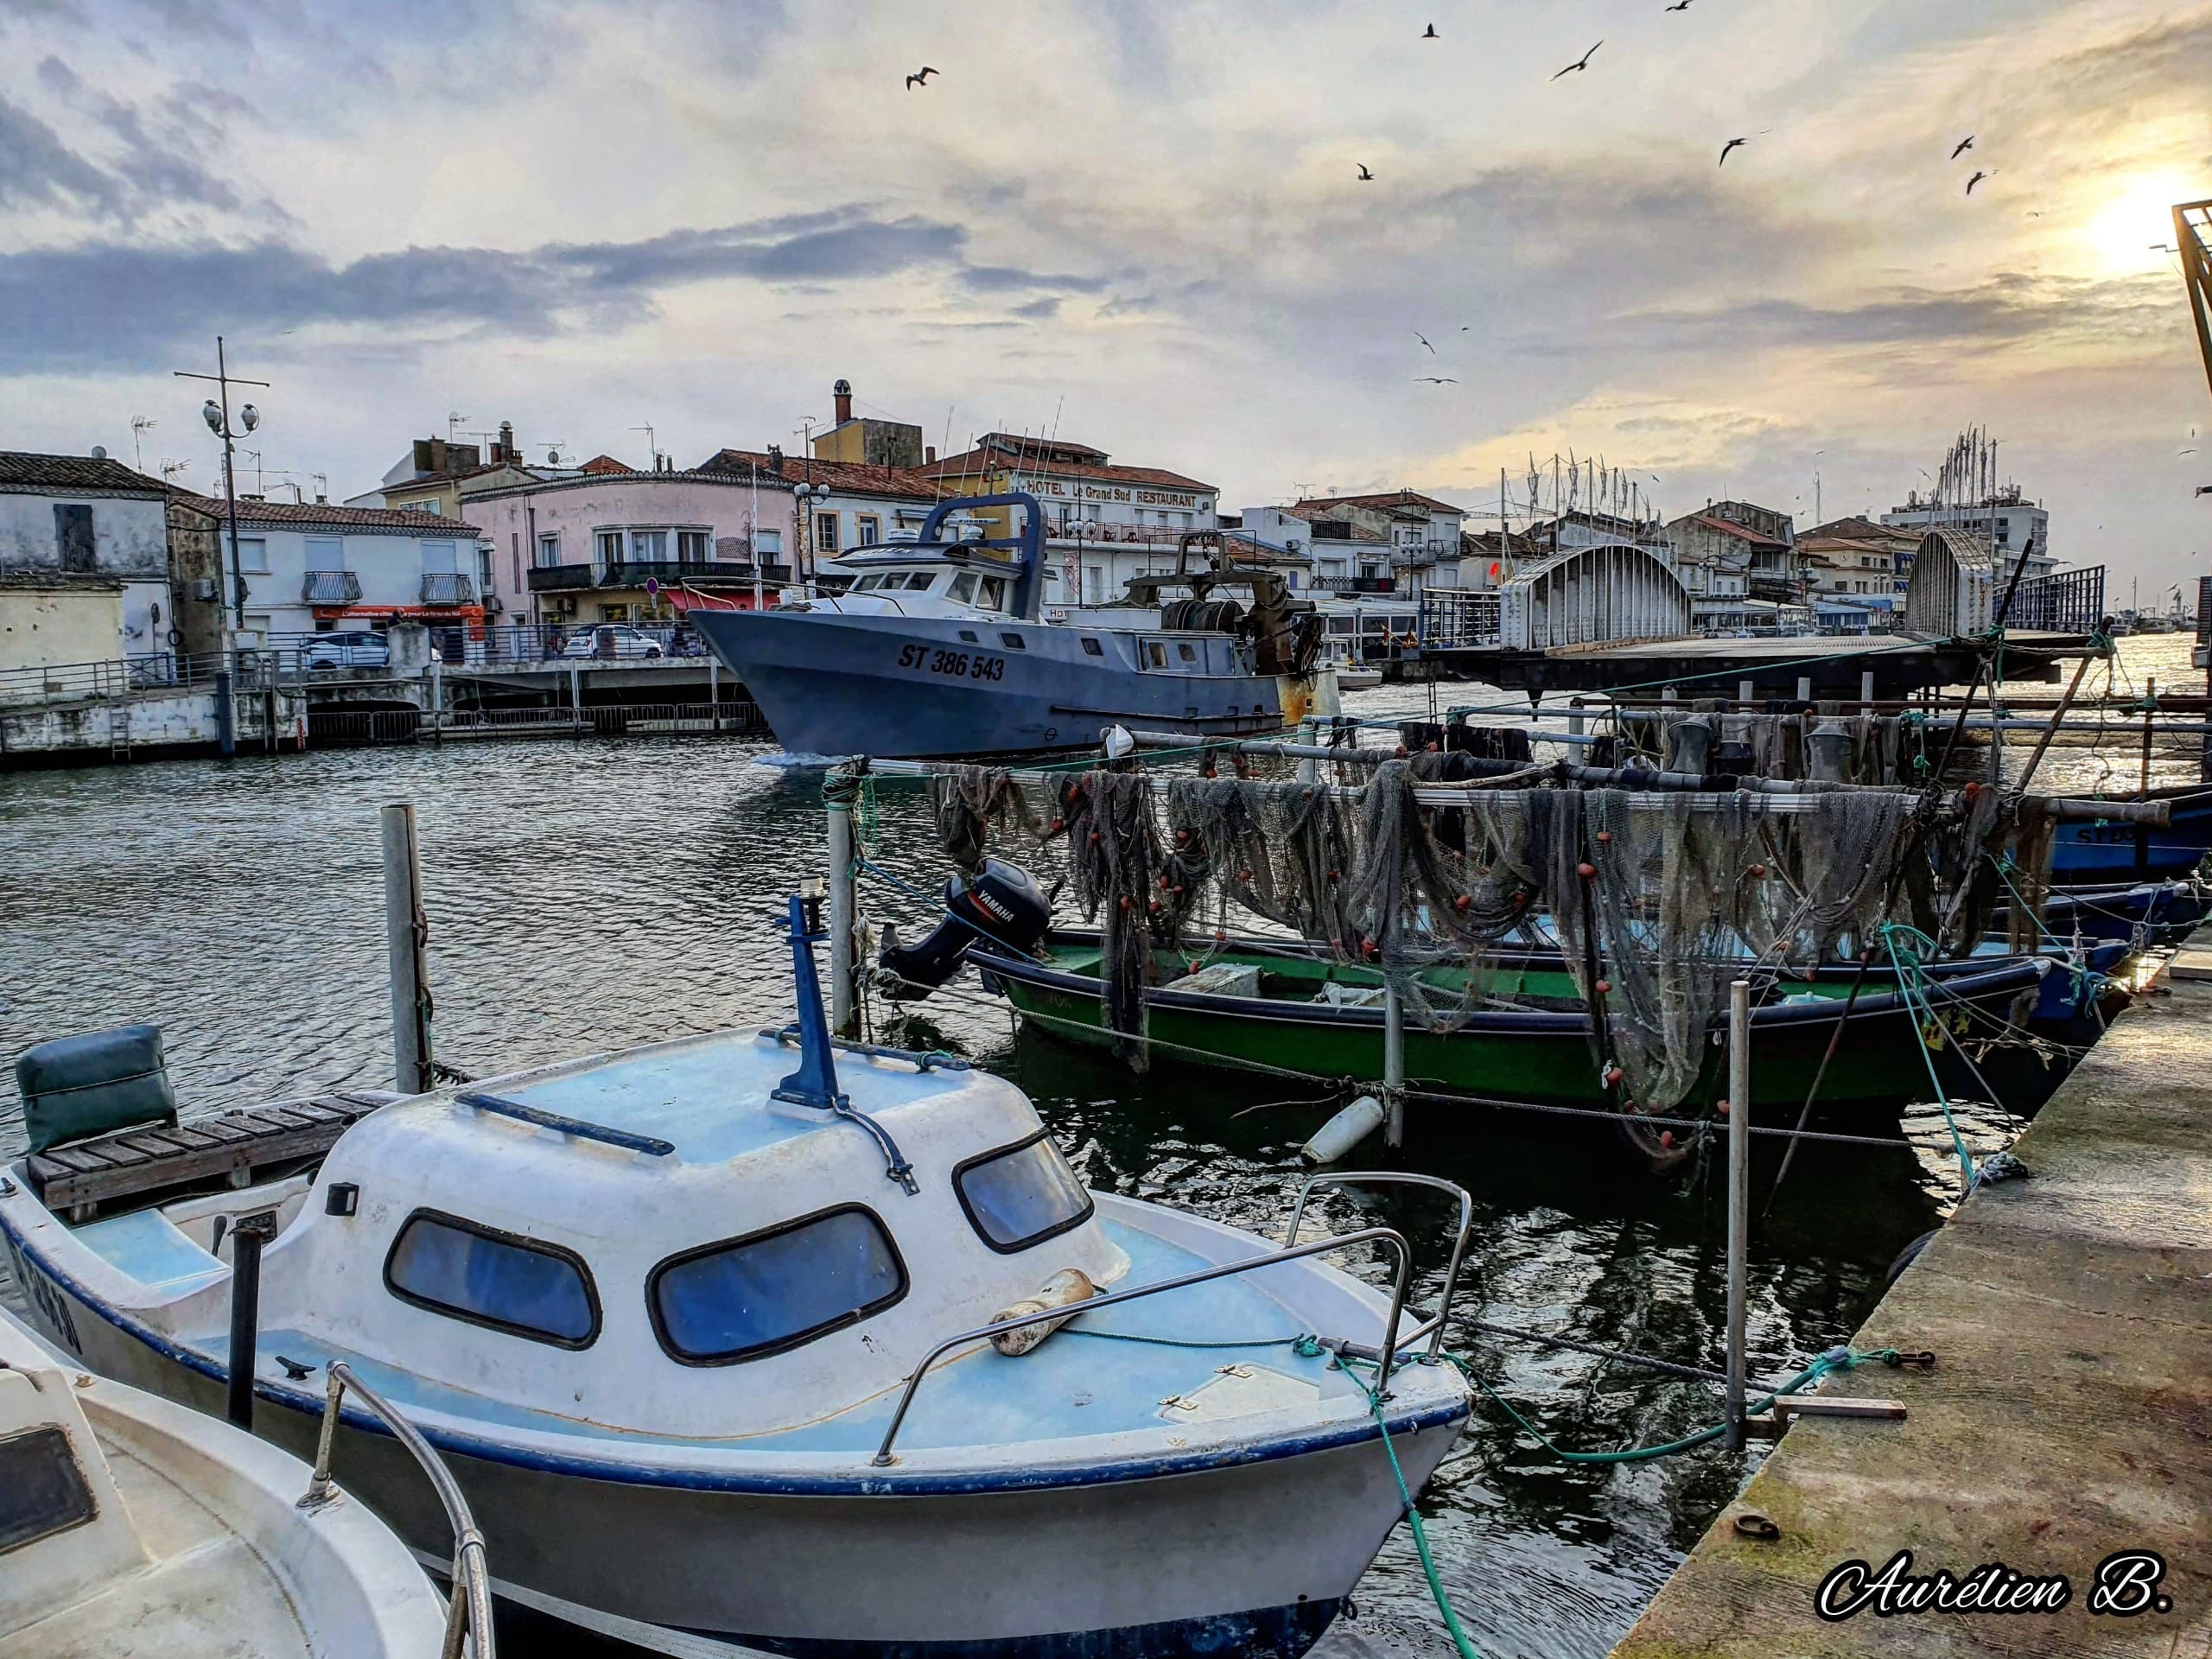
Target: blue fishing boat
column 939, row 647
column 2094, row 852
column 815, row 1347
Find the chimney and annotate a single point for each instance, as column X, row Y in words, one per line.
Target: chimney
column 505, row 449
column 929, row 454
column 775, row 457
column 842, row 391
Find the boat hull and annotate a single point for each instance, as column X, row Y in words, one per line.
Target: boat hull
column 1539, row 1057
column 2124, row 852
column 1198, row 1561
column 911, row 688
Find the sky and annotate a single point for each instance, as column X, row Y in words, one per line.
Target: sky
column 1141, row 226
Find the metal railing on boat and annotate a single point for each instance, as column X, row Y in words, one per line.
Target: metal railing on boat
column 468, row 1609
column 1433, row 1328
column 1385, row 1357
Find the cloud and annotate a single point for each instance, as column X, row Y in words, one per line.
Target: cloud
column 37, row 170
column 117, row 304
column 1008, row 279
column 1040, row 310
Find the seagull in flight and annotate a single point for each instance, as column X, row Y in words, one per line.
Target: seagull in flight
column 1424, row 340
column 1364, row 175
column 1430, row 34
column 1978, row 177
column 1965, row 144
column 1434, row 380
column 2202, row 489
column 1583, row 62
column 921, row 78
column 1679, row 5
column 1731, row 144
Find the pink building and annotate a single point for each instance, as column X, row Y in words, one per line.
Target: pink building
column 582, row 550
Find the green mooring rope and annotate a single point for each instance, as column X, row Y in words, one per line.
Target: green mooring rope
column 1912, row 979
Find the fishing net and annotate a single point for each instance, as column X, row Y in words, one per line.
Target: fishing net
column 1113, row 850
column 968, row 802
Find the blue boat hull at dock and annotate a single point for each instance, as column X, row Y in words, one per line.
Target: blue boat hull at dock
column 2120, row 852
column 902, row 687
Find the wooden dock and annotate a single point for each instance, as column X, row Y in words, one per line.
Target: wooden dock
column 2069, row 1417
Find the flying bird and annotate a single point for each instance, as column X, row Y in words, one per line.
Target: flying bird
column 1434, row 380
column 1364, row 174
column 1430, row 34
column 1978, row 177
column 921, row 78
column 2202, row 489
column 1731, row 144
column 1424, row 340
column 1679, row 5
column 1583, row 62
column 1965, row 144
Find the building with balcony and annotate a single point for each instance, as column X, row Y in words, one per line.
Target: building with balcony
column 2004, row 518
column 841, row 505
column 437, row 475
column 1735, row 549
column 602, row 547
column 1419, row 535
column 310, row 567
column 1104, row 522
column 1858, row 558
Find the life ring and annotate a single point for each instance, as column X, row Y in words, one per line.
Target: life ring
column 176, row 636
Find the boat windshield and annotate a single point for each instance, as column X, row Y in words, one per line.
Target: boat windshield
column 750, row 1297
column 1022, row 1195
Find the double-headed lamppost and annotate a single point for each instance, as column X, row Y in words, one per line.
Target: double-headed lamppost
column 218, row 416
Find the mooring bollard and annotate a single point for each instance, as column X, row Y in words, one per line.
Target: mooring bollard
column 248, row 1235
column 404, row 931
column 1739, row 1194
column 844, row 1017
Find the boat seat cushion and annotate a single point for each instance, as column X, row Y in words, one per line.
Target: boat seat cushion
column 93, row 1084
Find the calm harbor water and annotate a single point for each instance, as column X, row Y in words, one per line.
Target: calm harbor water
column 585, row 895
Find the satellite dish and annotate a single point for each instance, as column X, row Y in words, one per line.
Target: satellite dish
column 99, row 452
column 552, row 457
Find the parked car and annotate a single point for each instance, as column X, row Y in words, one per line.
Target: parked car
column 611, row 640
column 347, row 648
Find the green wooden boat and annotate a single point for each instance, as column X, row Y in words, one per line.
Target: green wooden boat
column 1536, row 1050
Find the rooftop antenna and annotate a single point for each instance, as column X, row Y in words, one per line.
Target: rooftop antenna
column 452, row 423
column 652, row 444
column 171, row 468
column 140, row 425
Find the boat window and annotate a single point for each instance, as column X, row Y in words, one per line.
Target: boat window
column 500, row 1280
column 1184, row 651
column 744, row 1298
column 918, row 580
column 967, row 637
column 963, row 590
column 992, row 594
column 42, row 1490
column 1012, row 642
column 1155, row 653
column 1022, row 1195
column 867, row 583
column 1092, row 648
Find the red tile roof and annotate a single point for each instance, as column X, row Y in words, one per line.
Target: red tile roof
column 1386, row 500
column 850, row 477
column 1729, row 527
column 604, row 465
column 74, row 473
column 310, row 515
column 982, row 459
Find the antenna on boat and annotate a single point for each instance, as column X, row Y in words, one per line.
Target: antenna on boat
column 815, row 1082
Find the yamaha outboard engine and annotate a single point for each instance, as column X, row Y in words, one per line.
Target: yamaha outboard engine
column 1003, row 906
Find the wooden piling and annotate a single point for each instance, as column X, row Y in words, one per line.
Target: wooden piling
column 405, row 930
column 1739, row 1194
column 845, row 1011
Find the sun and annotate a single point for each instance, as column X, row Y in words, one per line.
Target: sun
column 2122, row 234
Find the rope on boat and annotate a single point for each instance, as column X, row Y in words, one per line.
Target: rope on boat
column 1912, row 978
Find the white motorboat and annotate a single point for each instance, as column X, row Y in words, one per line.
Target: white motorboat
column 130, row 1526
column 719, row 1339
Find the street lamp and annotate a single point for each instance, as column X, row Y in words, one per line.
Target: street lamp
column 218, row 416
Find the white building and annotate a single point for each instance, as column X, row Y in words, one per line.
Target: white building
column 2005, row 514
column 1104, row 522
column 1418, row 537
column 310, row 567
column 844, row 504
column 84, row 522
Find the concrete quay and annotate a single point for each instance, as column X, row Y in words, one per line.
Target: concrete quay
column 2068, row 1416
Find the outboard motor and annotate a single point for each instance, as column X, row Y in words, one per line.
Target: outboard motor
column 1003, row 906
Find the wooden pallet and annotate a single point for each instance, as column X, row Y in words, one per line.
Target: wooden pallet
column 232, row 1144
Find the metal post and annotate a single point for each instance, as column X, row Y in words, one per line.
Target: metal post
column 844, row 1019
column 715, row 693
column 437, row 696
column 1744, row 689
column 226, row 738
column 1739, row 1194
column 576, row 696
column 405, row 930
column 1804, row 687
column 1577, row 722
column 1309, row 770
column 1866, row 692
column 247, row 1236
column 1394, row 1066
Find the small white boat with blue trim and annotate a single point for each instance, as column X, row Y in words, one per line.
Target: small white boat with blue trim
column 831, row 1358
column 133, row 1528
